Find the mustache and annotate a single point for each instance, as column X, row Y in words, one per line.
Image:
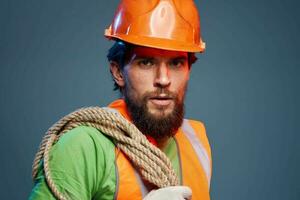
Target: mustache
column 160, row 93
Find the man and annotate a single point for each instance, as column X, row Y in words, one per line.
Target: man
column 150, row 62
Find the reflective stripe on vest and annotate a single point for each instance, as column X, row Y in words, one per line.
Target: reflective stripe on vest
column 198, row 147
column 143, row 188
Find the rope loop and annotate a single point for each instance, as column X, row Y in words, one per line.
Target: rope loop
column 152, row 163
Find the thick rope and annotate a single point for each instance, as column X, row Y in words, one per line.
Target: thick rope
column 153, row 164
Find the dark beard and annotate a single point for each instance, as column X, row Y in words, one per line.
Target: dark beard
column 160, row 128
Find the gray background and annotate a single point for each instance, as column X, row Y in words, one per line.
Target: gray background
column 245, row 88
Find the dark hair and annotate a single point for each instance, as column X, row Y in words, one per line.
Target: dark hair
column 120, row 53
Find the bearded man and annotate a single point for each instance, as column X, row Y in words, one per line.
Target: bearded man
column 150, row 62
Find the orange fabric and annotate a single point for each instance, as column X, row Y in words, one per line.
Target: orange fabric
column 128, row 185
column 164, row 24
column 193, row 174
column 120, row 105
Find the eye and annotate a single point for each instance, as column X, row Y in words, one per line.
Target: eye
column 178, row 63
column 146, row 62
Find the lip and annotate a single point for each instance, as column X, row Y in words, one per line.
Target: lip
column 161, row 101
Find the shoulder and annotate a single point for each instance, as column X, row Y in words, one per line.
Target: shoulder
column 200, row 130
column 84, row 136
column 198, row 126
column 85, row 146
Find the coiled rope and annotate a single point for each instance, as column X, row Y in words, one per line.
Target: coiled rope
column 152, row 163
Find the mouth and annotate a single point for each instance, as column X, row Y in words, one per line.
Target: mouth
column 161, row 100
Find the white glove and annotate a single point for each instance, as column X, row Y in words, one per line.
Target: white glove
column 170, row 193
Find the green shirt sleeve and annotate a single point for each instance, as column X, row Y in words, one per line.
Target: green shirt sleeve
column 82, row 166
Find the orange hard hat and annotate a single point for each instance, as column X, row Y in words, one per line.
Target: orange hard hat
column 164, row 24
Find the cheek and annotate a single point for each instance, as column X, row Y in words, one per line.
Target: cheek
column 180, row 81
column 138, row 82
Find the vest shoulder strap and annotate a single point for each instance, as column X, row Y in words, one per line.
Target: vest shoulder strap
column 129, row 182
column 195, row 159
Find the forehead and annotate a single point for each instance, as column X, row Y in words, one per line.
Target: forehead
column 140, row 51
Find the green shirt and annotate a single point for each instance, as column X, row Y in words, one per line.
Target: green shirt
column 82, row 165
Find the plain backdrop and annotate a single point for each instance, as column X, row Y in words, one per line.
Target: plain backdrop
column 245, row 87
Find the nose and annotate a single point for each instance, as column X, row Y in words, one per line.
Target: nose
column 162, row 78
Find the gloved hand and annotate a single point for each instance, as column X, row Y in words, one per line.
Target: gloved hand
column 170, row 193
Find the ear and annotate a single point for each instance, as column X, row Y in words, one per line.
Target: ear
column 117, row 73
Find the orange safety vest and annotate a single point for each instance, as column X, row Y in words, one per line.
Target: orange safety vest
column 195, row 161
